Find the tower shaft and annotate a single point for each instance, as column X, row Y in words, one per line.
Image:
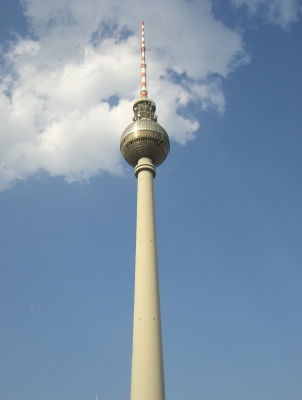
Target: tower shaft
column 147, row 382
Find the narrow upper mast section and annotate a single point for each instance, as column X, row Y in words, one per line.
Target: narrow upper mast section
column 144, row 92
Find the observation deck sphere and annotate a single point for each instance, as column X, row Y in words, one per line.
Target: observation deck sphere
column 144, row 138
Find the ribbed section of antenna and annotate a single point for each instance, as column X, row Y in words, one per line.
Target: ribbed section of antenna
column 144, row 92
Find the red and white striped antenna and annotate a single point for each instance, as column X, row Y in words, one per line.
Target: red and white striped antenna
column 144, row 92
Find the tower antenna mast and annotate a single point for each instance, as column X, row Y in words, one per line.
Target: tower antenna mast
column 144, row 92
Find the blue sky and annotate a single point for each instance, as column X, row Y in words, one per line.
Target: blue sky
column 226, row 78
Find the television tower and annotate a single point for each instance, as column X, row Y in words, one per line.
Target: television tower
column 145, row 145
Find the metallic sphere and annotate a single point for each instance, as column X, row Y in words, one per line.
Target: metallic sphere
column 144, row 137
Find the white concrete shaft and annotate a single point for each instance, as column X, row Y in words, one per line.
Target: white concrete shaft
column 147, row 382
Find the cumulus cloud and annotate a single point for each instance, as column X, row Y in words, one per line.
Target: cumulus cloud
column 280, row 12
column 66, row 91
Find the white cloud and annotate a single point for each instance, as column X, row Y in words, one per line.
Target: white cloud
column 55, row 90
column 280, row 12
